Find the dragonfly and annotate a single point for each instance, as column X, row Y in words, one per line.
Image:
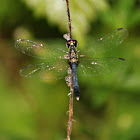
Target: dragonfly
column 81, row 61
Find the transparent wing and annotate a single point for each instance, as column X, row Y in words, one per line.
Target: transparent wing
column 98, row 66
column 46, row 71
column 105, row 43
column 38, row 50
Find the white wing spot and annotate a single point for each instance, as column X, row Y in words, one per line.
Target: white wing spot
column 82, row 55
column 41, row 45
column 93, row 63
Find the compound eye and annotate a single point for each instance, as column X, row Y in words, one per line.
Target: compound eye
column 67, row 44
column 76, row 43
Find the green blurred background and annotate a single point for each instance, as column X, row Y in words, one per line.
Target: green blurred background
column 36, row 110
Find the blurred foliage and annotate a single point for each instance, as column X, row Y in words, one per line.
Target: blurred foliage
column 31, row 109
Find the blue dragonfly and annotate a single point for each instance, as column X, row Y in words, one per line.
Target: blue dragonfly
column 81, row 61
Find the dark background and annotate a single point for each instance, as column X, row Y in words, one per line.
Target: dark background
column 31, row 109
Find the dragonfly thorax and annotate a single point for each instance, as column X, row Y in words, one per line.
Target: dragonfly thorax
column 73, row 55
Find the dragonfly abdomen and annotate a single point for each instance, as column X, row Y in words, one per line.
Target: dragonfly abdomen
column 75, row 80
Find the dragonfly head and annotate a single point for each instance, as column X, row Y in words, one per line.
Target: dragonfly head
column 71, row 43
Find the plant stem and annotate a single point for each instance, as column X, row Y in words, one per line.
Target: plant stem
column 70, row 109
column 69, row 19
column 71, row 83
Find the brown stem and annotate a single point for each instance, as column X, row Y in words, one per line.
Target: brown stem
column 70, row 109
column 71, row 83
column 69, row 19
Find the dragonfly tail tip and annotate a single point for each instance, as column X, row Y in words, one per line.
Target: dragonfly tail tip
column 78, row 98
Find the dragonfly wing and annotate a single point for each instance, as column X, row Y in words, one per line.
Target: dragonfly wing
column 46, row 71
column 105, row 43
column 39, row 50
column 98, row 66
